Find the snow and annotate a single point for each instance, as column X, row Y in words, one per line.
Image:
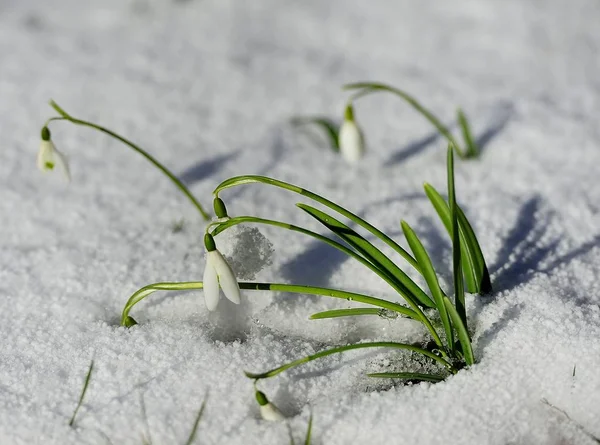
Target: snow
column 209, row 88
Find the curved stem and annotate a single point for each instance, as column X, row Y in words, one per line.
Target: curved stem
column 136, row 148
column 379, row 344
column 248, row 179
column 142, row 293
column 366, row 88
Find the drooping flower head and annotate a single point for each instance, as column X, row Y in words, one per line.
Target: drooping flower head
column 351, row 139
column 49, row 157
column 218, row 275
column 268, row 411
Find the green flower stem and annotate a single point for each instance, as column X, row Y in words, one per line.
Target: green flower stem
column 136, row 148
column 350, row 252
column 380, row 344
column 249, row 179
column 142, row 293
column 366, row 88
column 416, row 310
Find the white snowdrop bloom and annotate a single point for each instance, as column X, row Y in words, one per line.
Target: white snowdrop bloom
column 271, row 413
column 218, row 275
column 268, row 411
column 351, row 139
column 49, row 157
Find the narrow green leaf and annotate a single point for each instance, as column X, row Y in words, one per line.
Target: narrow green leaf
column 407, row 287
column 430, row 277
column 325, row 353
column 471, row 147
column 408, row 376
column 475, row 270
column 330, row 128
column 336, row 313
column 459, row 289
column 307, row 440
column 461, row 330
column 478, row 261
column 192, row 436
column 83, row 391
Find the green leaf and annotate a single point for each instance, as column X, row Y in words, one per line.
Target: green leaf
column 336, row 313
column 192, row 436
column 473, row 247
column 307, row 439
column 339, row 349
column 330, row 128
column 461, row 330
column 471, row 147
column 408, row 376
column 459, row 288
column 83, row 391
column 474, row 268
column 430, row 277
column 407, row 287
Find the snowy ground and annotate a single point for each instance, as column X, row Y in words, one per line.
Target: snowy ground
column 209, row 86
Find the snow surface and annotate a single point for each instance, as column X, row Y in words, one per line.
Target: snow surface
column 209, row 87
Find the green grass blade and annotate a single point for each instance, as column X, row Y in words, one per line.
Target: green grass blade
column 471, row 150
column 192, row 436
column 83, row 391
column 353, row 312
column 408, row 376
column 250, row 179
column 431, row 278
column 461, row 330
column 459, row 289
column 374, row 87
column 307, row 440
column 475, row 271
column 330, row 128
column 407, row 287
column 339, row 349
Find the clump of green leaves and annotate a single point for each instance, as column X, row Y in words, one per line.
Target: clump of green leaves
column 423, row 306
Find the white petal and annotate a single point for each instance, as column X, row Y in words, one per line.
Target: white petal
column 352, row 145
column 45, row 157
column 271, row 412
column 227, row 279
column 211, row 283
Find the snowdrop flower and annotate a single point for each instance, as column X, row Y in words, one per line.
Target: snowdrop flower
column 268, row 411
column 218, row 275
column 49, row 157
column 351, row 140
